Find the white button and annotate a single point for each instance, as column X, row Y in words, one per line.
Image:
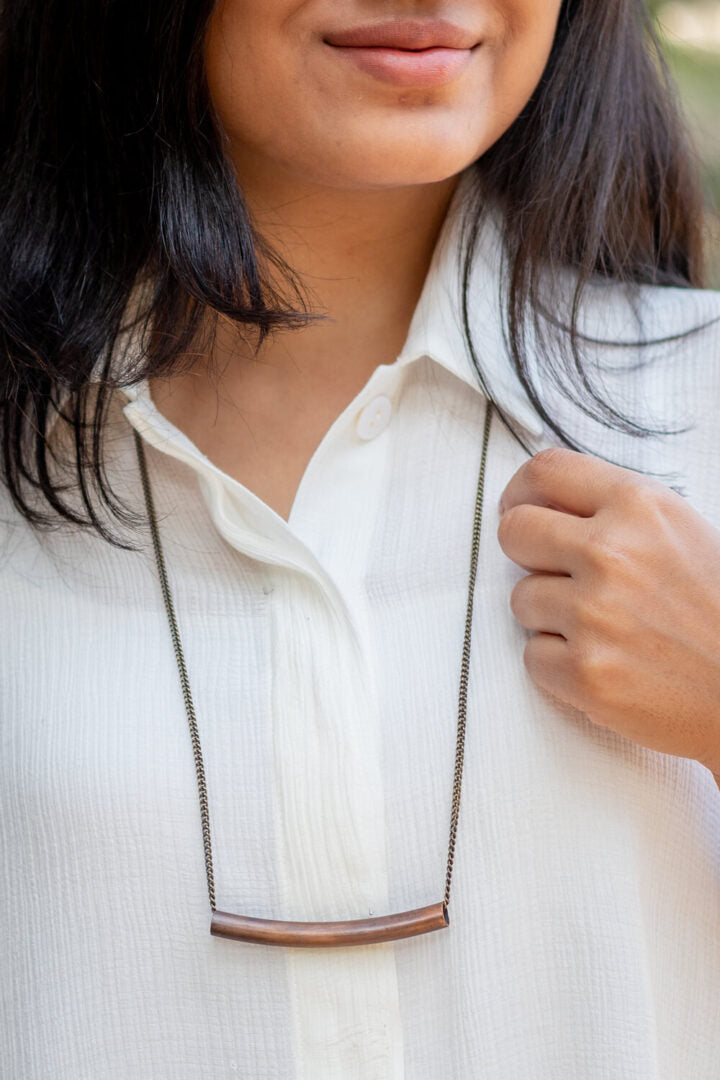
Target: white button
column 374, row 418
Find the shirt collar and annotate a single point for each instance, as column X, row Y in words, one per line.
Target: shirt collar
column 436, row 330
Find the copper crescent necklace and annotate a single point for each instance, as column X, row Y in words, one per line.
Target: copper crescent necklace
column 353, row 931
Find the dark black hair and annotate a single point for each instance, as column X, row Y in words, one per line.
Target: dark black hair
column 113, row 172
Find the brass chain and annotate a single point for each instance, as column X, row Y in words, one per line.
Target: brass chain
column 182, row 669
column 185, row 682
column 465, row 664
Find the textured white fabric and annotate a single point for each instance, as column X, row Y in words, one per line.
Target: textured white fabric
column 324, row 657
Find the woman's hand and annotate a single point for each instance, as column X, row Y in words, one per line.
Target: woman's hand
column 624, row 596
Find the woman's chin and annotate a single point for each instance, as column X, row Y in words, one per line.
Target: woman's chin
column 365, row 166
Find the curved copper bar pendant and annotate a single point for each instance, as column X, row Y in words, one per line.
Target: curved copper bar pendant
column 325, row 934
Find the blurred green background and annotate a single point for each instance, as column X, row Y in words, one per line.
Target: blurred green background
column 690, row 34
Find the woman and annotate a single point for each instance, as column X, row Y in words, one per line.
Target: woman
column 305, row 275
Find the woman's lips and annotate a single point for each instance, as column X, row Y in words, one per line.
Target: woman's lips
column 422, row 53
column 406, row 67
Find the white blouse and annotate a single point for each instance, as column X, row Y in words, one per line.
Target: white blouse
column 324, row 657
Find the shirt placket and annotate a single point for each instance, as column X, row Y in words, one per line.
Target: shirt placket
column 328, row 755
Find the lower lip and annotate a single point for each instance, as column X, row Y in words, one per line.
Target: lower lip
column 401, row 67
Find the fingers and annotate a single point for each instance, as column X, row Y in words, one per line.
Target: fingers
column 537, row 538
column 549, row 664
column 566, row 480
column 545, row 602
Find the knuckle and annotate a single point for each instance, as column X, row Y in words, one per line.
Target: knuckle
column 626, row 484
column 594, row 670
column 590, row 616
column 532, row 657
column 599, row 554
column 550, row 456
column 519, row 598
column 664, row 503
column 644, row 495
column 551, row 459
column 606, row 553
column 511, row 525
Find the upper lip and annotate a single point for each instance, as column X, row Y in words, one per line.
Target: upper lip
column 410, row 34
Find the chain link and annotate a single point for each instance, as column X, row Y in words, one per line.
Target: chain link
column 185, row 682
column 182, row 669
column 465, row 664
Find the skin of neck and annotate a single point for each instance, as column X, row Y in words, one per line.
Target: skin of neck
column 361, row 257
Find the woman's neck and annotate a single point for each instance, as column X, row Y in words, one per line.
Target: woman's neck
column 362, row 258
